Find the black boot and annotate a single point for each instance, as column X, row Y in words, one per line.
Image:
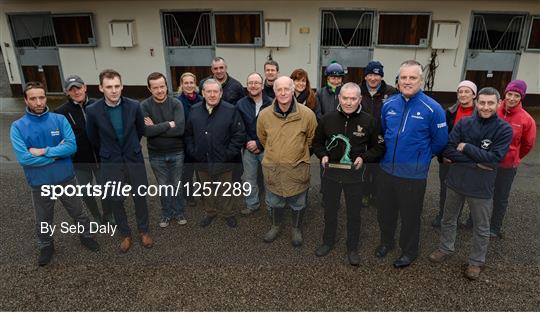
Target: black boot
column 45, row 254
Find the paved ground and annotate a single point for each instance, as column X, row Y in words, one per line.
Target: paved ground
column 233, row 270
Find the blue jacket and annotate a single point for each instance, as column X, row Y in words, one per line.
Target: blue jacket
column 414, row 131
column 214, row 140
column 487, row 141
column 246, row 107
column 46, row 130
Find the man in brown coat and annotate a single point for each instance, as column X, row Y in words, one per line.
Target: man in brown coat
column 286, row 130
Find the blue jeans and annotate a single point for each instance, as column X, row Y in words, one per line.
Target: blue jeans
column 251, row 164
column 296, row 202
column 167, row 168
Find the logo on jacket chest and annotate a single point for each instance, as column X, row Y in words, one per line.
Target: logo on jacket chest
column 418, row 115
column 360, row 132
column 485, row 144
column 55, row 132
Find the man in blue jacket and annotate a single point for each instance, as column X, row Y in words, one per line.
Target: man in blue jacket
column 115, row 125
column 414, row 129
column 253, row 151
column 476, row 146
column 44, row 143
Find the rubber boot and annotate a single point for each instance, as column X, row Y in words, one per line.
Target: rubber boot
column 296, row 233
column 273, row 233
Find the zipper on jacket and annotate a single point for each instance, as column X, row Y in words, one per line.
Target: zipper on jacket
column 395, row 144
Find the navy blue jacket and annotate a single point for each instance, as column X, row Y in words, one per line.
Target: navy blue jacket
column 414, row 131
column 246, row 107
column 214, row 140
column 487, row 141
column 113, row 155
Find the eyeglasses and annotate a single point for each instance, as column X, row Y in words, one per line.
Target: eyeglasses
column 254, row 83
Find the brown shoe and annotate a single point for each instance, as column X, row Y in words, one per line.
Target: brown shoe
column 438, row 256
column 146, row 240
column 473, row 272
column 125, row 244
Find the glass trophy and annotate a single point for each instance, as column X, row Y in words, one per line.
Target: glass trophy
column 345, row 161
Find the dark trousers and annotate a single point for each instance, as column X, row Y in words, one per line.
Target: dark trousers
column 216, row 201
column 503, row 185
column 370, row 181
column 353, row 200
column 85, row 174
column 132, row 174
column 443, row 172
column 44, row 213
column 187, row 176
column 403, row 197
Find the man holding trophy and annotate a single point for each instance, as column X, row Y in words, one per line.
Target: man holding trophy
column 345, row 140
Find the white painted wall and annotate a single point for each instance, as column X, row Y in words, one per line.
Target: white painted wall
column 135, row 63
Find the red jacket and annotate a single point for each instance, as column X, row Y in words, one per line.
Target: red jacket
column 524, row 133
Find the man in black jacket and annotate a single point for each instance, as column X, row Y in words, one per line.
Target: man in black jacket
column 214, row 136
column 253, row 151
column 374, row 92
column 115, row 125
column 366, row 146
column 231, row 88
column 476, row 146
column 85, row 160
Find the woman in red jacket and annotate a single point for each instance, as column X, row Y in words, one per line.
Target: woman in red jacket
column 523, row 140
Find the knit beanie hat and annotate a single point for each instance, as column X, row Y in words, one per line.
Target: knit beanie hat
column 518, row 86
column 469, row 84
column 374, row 67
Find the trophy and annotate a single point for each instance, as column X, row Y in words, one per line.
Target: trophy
column 345, row 161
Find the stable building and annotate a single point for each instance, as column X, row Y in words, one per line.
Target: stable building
column 488, row 42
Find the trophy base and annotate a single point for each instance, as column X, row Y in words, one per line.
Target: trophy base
column 340, row 166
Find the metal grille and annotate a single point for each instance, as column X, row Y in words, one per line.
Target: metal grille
column 32, row 30
column 187, row 35
column 346, row 28
column 496, row 32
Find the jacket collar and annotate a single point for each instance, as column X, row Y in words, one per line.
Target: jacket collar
column 365, row 90
column 34, row 115
column 506, row 110
column 292, row 109
column 339, row 109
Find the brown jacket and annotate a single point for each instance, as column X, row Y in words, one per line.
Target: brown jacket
column 286, row 141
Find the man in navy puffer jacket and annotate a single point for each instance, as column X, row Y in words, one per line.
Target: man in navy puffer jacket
column 476, row 146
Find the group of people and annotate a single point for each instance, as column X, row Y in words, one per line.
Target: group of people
column 373, row 141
